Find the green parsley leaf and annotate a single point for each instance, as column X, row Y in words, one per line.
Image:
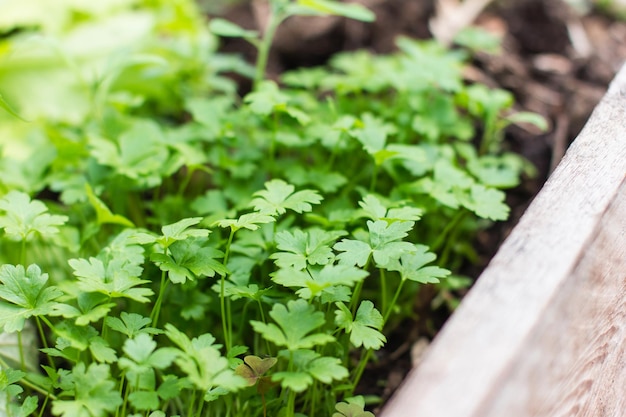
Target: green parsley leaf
column 225, row 28
column 173, row 233
column 24, row 218
column 315, row 282
column 140, row 153
column 364, row 329
column 28, row 406
column 8, row 379
column 142, row 358
column 297, row 381
column 487, row 203
column 305, row 248
column 201, row 361
column 170, row 387
column 111, row 279
column 123, row 251
column 527, row 117
column 189, row 259
column 71, row 335
column 103, row 213
column 73, row 339
column 351, row 409
column 310, row 365
column 295, row 322
column 250, row 221
column 101, row 351
column 328, row 182
column 24, row 294
column 383, row 244
column 131, row 324
column 481, row 100
column 91, row 308
column 17, row 409
column 374, row 208
column 499, row 172
column 354, row 252
column 142, row 351
column 279, row 196
column 266, row 98
column 326, row 369
column 373, row 134
column 411, row 266
column 144, row 400
column 94, row 393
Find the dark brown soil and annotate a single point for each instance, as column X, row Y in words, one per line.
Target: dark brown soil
column 548, row 69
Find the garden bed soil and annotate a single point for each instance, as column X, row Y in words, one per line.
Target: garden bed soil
column 548, row 67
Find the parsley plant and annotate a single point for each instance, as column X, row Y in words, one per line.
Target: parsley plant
column 181, row 250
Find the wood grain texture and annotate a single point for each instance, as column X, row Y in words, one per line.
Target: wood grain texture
column 574, row 361
column 542, row 333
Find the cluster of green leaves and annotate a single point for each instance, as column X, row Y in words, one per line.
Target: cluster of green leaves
column 181, row 250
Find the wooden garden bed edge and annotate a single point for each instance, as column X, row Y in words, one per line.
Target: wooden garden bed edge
column 482, row 347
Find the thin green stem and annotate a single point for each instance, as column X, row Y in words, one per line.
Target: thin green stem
column 43, row 407
column 335, row 150
column 489, row 135
column 191, row 403
column 200, row 407
column 314, row 399
column 387, row 312
column 48, row 323
column 291, row 395
column 447, row 249
column 23, row 252
column 273, row 22
column 121, row 390
column 225, row 312
column 291, row 404
column 229, row 323
column 365, row 357
column 441, row 239
column 156, row 310
column 261, row 311
column 356, row 294
column 228, row 244
column 272, row 148
column 185, row 182
column 267, row 343
column 383, row 289
column 20, row 347
column 179, row 407
column 42, row 336
column 105, row 328
column 374, row 178
column 125, row 402
column 37, row 388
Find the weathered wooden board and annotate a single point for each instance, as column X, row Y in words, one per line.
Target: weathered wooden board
column 543, row 332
